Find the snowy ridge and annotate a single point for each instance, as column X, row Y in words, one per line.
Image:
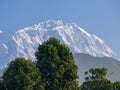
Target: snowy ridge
column 70, row 34
column 26, row 41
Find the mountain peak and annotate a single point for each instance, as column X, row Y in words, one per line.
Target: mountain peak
column 72, row 35
column 26, row 40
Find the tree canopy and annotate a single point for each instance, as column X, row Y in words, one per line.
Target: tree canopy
column 96, row 80
column 22, row 74
column 96, row 74
column 116, row 85
column 56, row 63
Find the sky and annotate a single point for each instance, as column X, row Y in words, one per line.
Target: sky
column 99, row 17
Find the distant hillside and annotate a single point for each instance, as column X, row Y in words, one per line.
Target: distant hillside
column 85, row 62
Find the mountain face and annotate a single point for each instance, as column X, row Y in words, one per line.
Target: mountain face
column 24, row 42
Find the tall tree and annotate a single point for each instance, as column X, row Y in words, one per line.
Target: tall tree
column 96, row 80
column 56, row 63
column 22, row 74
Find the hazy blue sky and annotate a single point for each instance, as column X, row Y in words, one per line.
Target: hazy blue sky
column 100, row 17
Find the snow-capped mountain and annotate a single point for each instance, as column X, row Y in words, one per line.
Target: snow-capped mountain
column 24, row 42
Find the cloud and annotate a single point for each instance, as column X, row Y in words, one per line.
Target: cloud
column 1, row 31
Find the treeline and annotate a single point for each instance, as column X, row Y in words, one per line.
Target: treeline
column 54, row 69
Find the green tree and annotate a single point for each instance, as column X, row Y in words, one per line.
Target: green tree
column 96, row 80
column 96, row 74
column 2, row 85
column 56, row 63
column 117, row 85
column 22, row 74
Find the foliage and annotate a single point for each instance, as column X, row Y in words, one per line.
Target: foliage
column 96, row 80
column 96, row 74
column 56, row 63
column 2, row 87
column 22, row 74
column 97, row 85
column 117, row 85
